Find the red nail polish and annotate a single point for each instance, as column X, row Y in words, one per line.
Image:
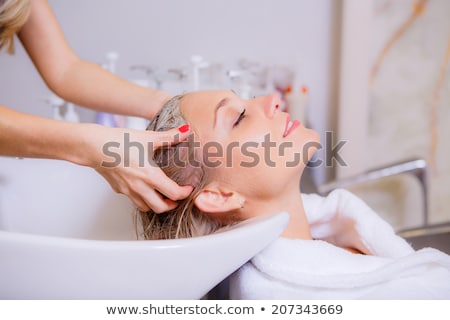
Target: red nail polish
column 184, row 128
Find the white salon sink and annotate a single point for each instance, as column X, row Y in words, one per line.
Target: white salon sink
column 64, row 234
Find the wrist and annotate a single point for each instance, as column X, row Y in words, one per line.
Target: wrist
column 158, row 100
column 88, row 140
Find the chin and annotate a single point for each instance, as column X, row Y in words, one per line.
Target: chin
column 306, row 140
column 314, row 136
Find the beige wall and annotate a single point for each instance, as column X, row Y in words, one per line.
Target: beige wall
column 394, row 117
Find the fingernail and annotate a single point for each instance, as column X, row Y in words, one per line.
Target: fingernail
column 184, row 128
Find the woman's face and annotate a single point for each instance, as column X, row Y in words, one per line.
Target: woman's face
column 249, row 144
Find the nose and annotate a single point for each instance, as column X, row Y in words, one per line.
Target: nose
column 272, row 105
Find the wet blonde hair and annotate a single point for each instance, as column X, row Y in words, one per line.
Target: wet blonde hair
column 184, row 164
column 13, row 15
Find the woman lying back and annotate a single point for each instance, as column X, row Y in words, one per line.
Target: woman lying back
column 245, row 158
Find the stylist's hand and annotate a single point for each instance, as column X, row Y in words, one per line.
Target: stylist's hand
column 123, row 160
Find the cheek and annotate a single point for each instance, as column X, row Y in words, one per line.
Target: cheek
column 256, row 172
column 263, row 155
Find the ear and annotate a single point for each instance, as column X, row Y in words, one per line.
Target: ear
column 214, row 200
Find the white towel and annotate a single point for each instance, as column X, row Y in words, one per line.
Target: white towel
column 320, row 269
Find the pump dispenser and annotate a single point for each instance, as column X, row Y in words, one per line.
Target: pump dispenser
column 58, row 112
column 198, row 63
column 104, row 118
column 71, row 115
column 55, row 103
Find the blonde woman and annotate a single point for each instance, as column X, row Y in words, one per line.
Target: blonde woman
column 245, row 158
column 86, row 84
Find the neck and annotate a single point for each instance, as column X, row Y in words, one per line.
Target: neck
column 290, row 201
column 298, row 227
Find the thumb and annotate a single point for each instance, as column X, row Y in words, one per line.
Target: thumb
column 170, row 137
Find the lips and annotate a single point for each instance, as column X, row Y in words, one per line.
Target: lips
column 290, row 126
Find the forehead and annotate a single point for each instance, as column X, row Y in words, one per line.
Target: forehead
column 203, row 100
column 199, row 107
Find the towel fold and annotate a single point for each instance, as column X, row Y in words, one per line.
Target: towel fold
column 321, row 269
column 345, row 220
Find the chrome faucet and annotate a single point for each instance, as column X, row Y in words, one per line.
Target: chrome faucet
column 415, row 167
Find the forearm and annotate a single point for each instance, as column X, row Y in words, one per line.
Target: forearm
column 78, row 81
column 24, row 135
column 89, row 85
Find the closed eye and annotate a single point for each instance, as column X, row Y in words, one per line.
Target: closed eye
column 242, row 115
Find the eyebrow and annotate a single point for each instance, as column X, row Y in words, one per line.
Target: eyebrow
column 221, row 104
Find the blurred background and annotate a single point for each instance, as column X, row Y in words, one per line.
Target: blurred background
column 297, row 39
column 374, row 74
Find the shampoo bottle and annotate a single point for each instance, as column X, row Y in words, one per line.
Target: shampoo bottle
column 297, row 103
column 104, row 118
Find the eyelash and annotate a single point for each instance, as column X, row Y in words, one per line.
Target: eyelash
column 240, row 118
